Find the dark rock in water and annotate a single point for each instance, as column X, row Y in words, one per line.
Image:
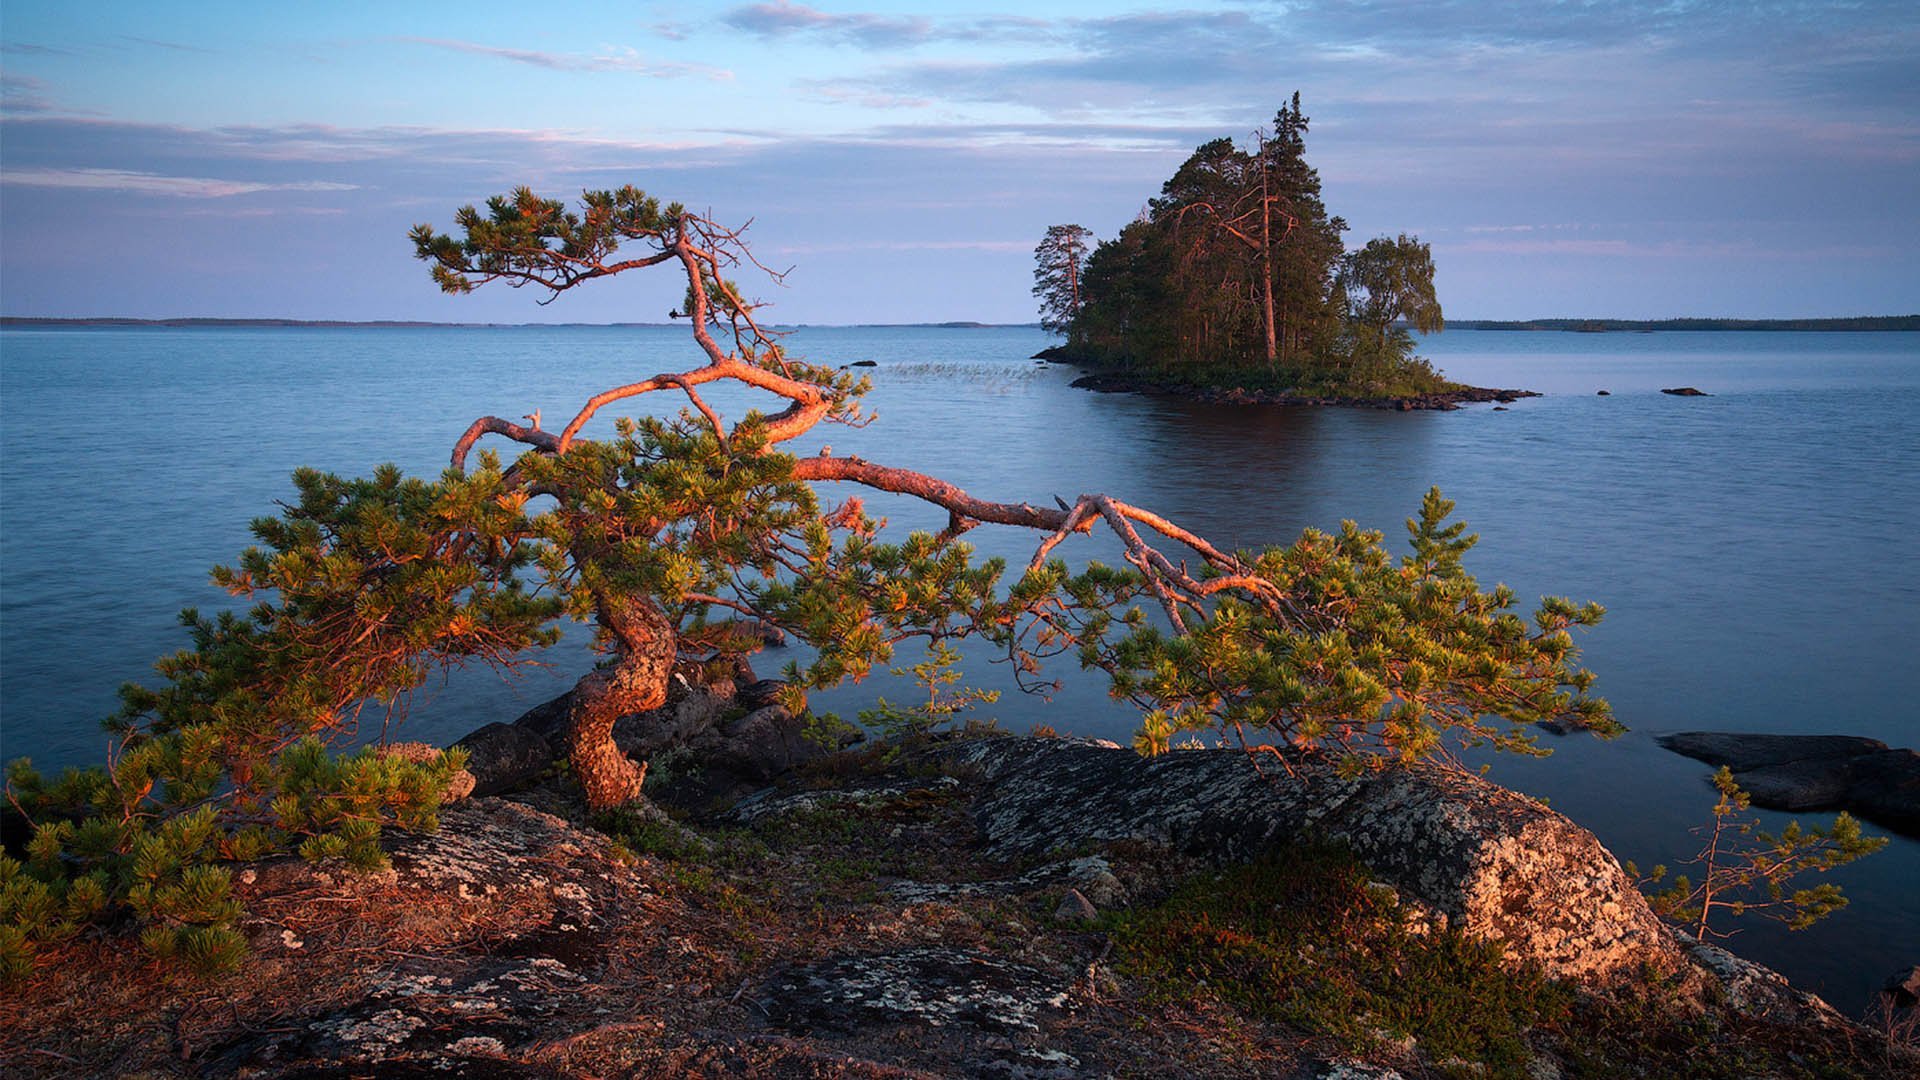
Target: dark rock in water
column 1475, row 856
column 864, row 363
column 1903, row 987
column 1739, row 750
column 1686, row 391
column 1815, row 772
column 1499, row 408
column 1604, row 393
column 502, row 757
column 930, row 986
column 1060, row 353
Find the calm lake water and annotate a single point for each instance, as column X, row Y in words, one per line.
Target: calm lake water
column 1757, row 549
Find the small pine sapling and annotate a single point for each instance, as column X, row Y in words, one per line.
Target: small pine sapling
column 1745, row 870
column 942, row 706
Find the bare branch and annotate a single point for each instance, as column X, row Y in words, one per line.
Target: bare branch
column 493, row 425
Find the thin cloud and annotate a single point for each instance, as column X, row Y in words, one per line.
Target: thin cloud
column 1555, row 227
column 848, row 95
column 145, row 183
column 1670, row 249
column 159, row 44
column 621, row 60
column 21, row 94
column 780, row 18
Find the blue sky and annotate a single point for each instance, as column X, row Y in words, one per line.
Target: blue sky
column 1564, row 159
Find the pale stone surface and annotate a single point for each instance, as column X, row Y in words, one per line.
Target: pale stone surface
column 1487, row 860
column 934, row 986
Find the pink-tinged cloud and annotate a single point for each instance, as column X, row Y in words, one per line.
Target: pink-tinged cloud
column 780, row 17
column 623, row 60
column 145, row 183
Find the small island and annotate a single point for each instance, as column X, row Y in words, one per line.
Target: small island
column 1234, row 286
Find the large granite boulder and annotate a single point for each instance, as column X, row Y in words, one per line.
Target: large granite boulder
column 1815, row 772
column 1489, row 861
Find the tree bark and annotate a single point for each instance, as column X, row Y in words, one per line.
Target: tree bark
column 1266, row 257
column 644, row 644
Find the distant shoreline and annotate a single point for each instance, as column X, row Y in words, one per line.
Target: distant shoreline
column 1591, row 326
column 391, row 324
column 1642, row 326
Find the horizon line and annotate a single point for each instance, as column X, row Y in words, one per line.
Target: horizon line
column 287, row 322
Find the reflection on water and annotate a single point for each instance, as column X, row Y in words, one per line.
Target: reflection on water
column 1755, row 549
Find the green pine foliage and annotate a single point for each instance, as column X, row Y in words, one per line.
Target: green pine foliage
column 1745, row 870
column 1371, row 659
column 942, row 704
column 154, row 833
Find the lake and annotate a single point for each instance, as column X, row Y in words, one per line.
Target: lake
column 1756, row 549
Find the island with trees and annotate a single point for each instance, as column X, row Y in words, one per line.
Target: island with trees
column 1234, row 284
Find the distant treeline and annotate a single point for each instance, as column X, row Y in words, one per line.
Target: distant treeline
column 1597, row 326
column 31, row 320
column 34, row 320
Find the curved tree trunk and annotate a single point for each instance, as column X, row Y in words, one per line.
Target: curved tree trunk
column 644, row 641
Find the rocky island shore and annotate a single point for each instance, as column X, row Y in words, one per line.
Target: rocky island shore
column 1227, row 393
column 972, row 904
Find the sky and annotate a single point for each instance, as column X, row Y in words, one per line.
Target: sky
column 1592, row 159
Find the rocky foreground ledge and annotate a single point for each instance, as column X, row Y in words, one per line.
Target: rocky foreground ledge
column 962, row 906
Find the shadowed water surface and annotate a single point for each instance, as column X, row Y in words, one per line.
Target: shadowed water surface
column 1756, row 549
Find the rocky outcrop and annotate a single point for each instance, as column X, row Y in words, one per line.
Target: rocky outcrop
column 1756, row 991
column 1443, row 400
column 1486, row 860
column 720, row 735
column 1815, row 772
column 1685, row 391
column 933, row 986
column 874, row 933
column 547, row 895
column 502, row 757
